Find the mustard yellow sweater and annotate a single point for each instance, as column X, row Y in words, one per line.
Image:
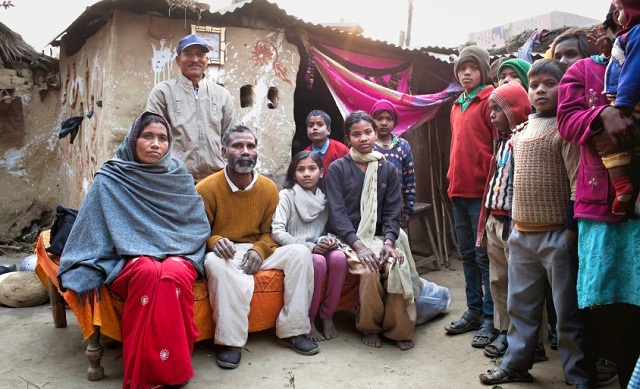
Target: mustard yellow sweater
column 243, row 216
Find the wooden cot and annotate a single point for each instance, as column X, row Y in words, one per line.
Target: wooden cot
column 102, row 317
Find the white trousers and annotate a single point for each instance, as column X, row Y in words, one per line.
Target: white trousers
column 231, row 290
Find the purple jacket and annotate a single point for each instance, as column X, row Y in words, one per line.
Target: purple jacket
column 580, row 101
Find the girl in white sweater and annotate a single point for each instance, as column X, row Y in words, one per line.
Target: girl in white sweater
column 301, row 217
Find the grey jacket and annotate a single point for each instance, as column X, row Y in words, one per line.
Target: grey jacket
column 198, row 122
column 344, row 189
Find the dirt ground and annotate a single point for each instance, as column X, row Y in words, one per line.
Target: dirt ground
column 34, row 354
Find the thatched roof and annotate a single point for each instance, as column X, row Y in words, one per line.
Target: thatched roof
column 515, row 42
column 15, row 53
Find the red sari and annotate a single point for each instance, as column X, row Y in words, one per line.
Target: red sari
column 158, row 329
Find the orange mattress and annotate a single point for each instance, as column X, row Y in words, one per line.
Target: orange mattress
column 107, row 311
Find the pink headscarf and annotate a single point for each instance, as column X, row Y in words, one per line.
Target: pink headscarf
column 384, row 105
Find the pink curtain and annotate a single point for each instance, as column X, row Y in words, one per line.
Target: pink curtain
column 351, row 92
column 391, row 73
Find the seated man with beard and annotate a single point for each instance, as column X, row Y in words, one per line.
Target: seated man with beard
column 240, row 204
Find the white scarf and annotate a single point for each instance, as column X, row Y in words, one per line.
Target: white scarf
column 402, row 278
column 369, row 198
column 309, row 205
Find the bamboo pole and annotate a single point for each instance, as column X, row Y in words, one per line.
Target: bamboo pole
column 434, row 198
column 445, row 210
column 407, row 41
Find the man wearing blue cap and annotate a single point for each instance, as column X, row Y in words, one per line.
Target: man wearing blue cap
column 198, row 110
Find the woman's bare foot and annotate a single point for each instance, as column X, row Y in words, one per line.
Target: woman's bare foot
column 314, row 334
column 371, row 340
column 329, row 330
column 404, row 345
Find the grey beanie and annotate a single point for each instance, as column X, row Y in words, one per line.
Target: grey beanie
column 478, row 55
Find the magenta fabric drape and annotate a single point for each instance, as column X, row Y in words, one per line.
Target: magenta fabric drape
column 391, row 73
column 351, row 92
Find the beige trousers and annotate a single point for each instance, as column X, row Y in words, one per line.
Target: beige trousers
column 231, row 290
column 498, row 252
column 381, row 312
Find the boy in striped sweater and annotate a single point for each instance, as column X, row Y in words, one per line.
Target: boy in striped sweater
column 510, row 107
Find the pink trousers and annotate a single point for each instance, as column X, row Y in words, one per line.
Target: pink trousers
column 330, row 270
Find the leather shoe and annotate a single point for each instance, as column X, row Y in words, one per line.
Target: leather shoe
column 301, row 344
column 229, row 357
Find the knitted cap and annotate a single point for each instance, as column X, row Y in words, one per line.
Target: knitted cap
column 520, row 66
column 478, row 55
column 514, row 102
column 384, row 105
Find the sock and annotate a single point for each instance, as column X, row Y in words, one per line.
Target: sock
column 624, row 193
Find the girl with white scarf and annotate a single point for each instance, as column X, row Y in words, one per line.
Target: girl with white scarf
column 365, row 203
column 301, row 217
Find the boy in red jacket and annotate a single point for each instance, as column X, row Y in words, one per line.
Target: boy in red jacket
column 318, row 130
column 472, row 138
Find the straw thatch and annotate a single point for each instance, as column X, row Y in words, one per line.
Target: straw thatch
column 15, row 53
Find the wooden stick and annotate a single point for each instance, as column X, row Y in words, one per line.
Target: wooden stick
column 445, row 211
column 14, row 248
column 434, row 199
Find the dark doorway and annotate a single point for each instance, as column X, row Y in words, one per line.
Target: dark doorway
column 312, row 93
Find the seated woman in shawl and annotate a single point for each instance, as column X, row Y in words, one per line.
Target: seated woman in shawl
column 141, row 231
column 365, row 203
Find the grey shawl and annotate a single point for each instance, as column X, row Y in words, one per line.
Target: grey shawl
column 134, row 209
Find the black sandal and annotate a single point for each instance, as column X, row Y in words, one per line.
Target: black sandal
column 499, row 376
column 468, row 322
column 485, row 335
column 498, row 347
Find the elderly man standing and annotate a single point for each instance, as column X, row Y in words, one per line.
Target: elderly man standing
column 240, row 204
column 198, row 110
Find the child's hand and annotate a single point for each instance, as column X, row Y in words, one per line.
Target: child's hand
column 601, row 42
column 325, row 244
column 330, row 242
column 320, row 248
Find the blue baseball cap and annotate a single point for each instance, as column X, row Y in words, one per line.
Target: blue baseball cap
column 191, row 40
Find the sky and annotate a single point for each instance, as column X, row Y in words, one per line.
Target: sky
column 435, row 23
